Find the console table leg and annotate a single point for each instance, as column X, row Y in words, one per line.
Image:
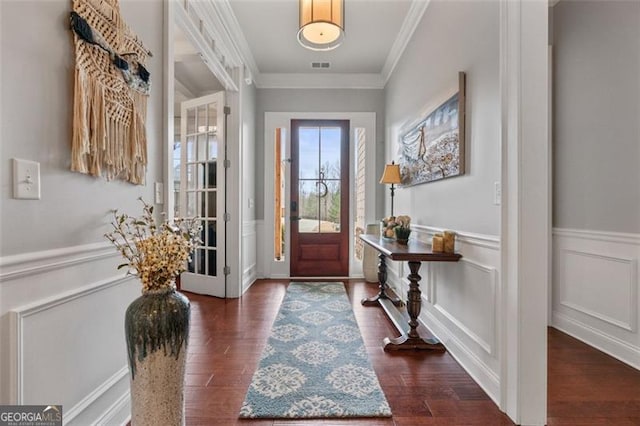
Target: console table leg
column 382, row 280
column 414, row 305
column 414, row 298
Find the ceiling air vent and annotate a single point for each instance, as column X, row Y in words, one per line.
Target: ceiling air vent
column 320, row 65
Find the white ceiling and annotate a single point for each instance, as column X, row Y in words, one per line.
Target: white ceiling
column 270, row 28
column 264, row 33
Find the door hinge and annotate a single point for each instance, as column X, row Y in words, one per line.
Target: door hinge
column 227, row 164
column 227, row 110
column 226, row 270
column 226, row 217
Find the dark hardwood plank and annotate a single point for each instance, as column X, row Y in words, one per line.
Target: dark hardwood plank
column 229, row 336
column 586, row 387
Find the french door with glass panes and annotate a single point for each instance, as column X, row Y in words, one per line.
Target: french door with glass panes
column 202, row 190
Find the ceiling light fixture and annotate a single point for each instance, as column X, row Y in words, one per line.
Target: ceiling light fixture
column 321, row 24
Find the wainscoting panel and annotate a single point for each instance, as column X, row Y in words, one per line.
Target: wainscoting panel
column 63, row 319
column 465, row 294
column 249, row 254
column 595, row 290
column 460, row 303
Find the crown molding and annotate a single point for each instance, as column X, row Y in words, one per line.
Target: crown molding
column 209, row 56
column 320, row 81
column 236, row 37
column 411, row 21
column 214, row 25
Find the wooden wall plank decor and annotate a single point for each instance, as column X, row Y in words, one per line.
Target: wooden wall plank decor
column 111, row 89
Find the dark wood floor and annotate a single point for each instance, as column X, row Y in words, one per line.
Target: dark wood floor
column 227, row 338
column 588, row 387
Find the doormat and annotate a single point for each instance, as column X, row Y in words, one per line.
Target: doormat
column 315, row 364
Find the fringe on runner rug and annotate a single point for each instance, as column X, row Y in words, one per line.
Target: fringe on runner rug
column 315, row 364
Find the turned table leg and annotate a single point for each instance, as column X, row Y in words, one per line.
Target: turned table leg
column 384, row 288
column 414, row 305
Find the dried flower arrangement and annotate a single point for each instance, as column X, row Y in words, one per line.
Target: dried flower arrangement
column 388, row 225
column 403, row 227
column 398, row 227
column 156, row 253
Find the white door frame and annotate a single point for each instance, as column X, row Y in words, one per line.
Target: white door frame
column 525, row 219
column 274, row 120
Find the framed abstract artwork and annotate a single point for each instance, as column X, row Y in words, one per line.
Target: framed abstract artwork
column 432, row 148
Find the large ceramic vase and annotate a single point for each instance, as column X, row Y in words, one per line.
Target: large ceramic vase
column 157, row 332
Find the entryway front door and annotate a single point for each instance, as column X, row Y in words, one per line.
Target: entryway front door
column 319, row 198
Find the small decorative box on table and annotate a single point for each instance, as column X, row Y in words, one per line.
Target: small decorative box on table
column 415, row 252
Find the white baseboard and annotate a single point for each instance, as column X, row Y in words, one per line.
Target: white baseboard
column 249, row 254
column 249, row 276
column 600, row 340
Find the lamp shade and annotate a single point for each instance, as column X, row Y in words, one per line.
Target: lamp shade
column 391, row 174
column 321, row 24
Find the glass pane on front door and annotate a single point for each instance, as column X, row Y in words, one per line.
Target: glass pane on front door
column 319, row 168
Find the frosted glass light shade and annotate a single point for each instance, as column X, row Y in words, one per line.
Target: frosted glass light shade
column 321, row 24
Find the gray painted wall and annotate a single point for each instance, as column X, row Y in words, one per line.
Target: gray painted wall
column 429, row 65
column 314, row 100
column 597, row 115
column 37, row 100
column 248, row 105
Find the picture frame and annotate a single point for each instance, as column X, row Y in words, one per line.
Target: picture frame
column 433, row 147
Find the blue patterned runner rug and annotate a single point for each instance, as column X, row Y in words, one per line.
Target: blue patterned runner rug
column 315, row 364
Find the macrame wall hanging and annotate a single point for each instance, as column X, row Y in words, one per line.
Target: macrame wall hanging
column 110, row 95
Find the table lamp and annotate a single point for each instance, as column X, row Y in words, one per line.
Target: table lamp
column 391, row 175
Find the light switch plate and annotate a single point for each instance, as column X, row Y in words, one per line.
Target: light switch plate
column 159, row 193
column 26, row 179
column 497, row 193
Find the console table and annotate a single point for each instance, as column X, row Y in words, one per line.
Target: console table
column 415, row 253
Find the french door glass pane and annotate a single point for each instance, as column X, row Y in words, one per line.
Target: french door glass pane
column 202, row 119
column 192, row 206
column 309, row 153
column 191, row 152
column 330, row 152
column 308, row 206
column 191, row 120
column 212, row 204
column 211, row 263
column 330, row 208
column 202, row 147
column 213, row 146
column 212, row 117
